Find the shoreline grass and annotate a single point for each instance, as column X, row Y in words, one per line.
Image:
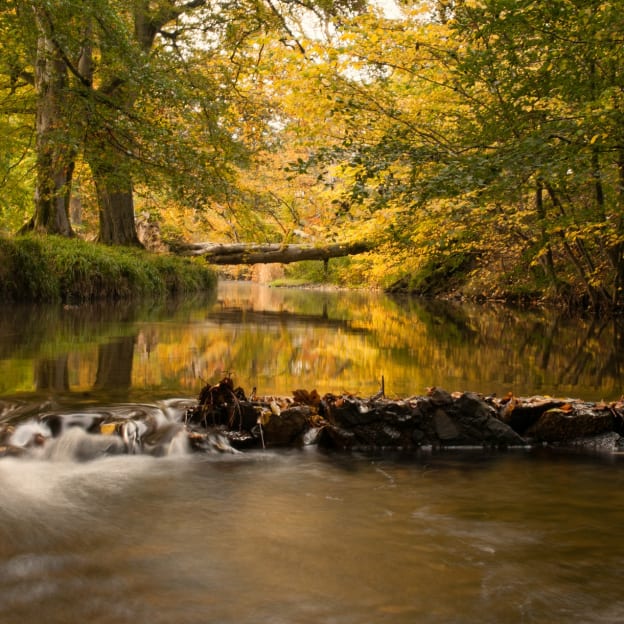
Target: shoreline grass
column 57, row 269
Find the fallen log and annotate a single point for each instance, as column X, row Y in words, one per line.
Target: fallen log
column 252, row 253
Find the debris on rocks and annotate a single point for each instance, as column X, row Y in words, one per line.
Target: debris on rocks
column 438, row 419
column 224, row 419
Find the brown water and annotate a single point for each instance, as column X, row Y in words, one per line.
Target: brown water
column 302, row 536
column 299, row 537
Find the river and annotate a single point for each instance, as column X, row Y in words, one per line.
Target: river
column 304, row 536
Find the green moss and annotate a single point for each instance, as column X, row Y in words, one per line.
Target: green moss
column 53, row 268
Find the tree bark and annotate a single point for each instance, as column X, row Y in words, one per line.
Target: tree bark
column 116, row 208
column 110, row 165
column 250, row 253
column 54, row 165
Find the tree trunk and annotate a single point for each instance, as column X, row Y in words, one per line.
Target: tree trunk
column 110, row 168
column 546, row 260
column 116, row 209
column 250, row 253
column 54, row 165
column 108, row 163
column 52, row 374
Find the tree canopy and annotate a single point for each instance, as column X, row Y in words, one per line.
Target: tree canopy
column 473, row 138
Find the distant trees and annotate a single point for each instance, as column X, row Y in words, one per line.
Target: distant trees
column 490, row 129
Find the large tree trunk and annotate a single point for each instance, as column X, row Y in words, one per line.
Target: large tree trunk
column 108, row 163
column 52, row 374
column 250, row 253
column 110, row 168
column 54, row 165
column 116, row 208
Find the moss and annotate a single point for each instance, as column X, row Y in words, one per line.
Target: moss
column 53, row 268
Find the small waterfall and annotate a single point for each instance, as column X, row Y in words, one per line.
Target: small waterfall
column 78, row 445
column 30, row 433
column 132, row 429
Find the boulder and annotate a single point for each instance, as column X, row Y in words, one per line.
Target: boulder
column 287, row 427
column 571, row 423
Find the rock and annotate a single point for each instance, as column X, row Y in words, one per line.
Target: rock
column 349, row 412
column 224, row 420
column 445, row 428
column 520, row 416
column 337, row 438
column 6, row 450
column 565, row 425
column 286, row 427
column 439, row 396
column 478, row 422
column 607, row 442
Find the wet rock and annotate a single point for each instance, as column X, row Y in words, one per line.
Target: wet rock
column 400, row 414
column 571, row 423
column 349, row 412
column 6, row 431
column 439, row 397
column 609, row 442
column 445, row 428
column 419, row 437
column 287, row 427
column 337, row 438
column 521, row 415
column 479, row 423
column 224, row 420
column 6, row 450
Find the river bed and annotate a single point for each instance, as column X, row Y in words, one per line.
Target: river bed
column 304, row 536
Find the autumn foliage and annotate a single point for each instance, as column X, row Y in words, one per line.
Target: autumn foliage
column 477, row 144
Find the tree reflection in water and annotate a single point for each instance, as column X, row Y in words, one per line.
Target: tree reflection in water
column 282, row 339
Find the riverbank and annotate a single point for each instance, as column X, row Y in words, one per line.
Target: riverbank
column 57, row 269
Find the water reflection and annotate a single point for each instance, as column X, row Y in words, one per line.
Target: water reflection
column 281, row 339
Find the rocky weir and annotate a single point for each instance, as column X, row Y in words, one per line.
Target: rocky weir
column 226, row 419
column 439, row 419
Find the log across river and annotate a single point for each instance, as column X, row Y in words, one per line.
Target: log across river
column 225, row 419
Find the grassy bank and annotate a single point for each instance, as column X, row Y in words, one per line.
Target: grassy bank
column 51, row 268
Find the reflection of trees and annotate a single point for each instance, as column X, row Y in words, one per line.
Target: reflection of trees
column 28, row 330
column 281, row 317
column 114, row 370
column 52, row 374
column 331, row 341
column 502, row 348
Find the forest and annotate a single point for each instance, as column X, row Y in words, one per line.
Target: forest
column 476, row 147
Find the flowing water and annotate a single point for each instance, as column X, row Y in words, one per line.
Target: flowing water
column 300, row 536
